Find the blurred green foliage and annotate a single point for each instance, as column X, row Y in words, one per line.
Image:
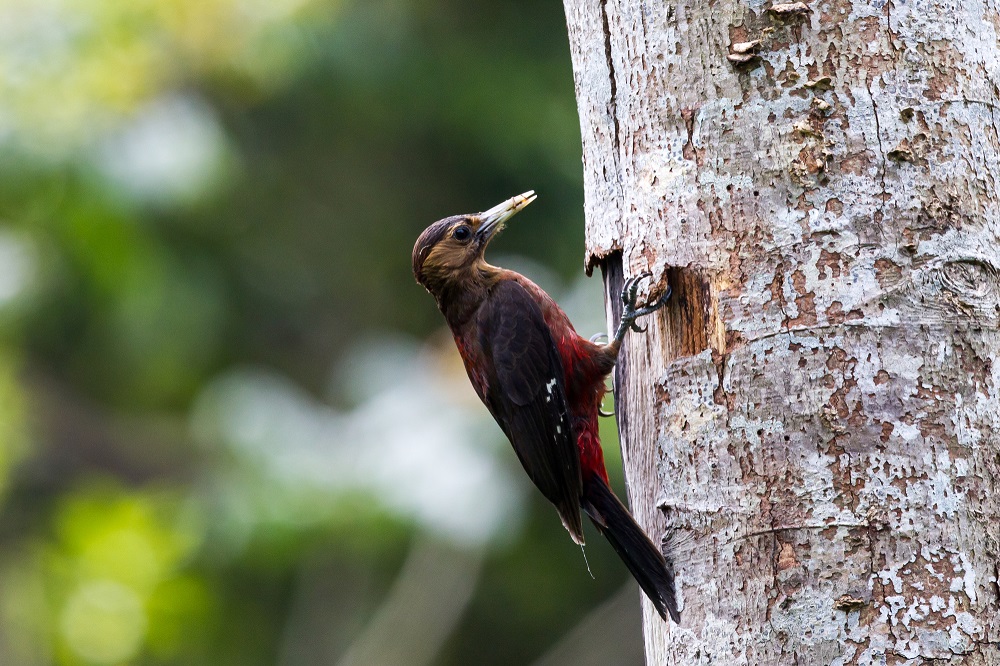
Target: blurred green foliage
column 206, row 208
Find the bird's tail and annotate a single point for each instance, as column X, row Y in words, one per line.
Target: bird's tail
column 642, row 558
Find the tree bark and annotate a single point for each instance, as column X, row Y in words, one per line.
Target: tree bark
column 813, row 419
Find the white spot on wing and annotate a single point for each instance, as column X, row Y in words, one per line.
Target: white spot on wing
column 550, row 388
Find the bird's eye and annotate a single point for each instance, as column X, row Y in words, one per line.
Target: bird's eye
column 462, row 233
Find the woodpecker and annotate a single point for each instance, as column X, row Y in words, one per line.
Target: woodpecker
column 541, row 381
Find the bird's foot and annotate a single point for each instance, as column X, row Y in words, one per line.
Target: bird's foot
column 630, row 312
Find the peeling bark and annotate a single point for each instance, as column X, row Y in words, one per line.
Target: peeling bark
column 813, row 420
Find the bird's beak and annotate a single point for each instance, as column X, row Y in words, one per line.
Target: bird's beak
column 492, row 220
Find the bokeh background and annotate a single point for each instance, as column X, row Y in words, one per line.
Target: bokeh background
column 232, row 428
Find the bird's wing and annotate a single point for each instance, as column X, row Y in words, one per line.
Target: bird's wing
column 528, row 400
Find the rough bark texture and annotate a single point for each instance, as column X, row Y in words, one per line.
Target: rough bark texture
column 814, row 418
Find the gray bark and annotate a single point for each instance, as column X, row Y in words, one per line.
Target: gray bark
column 813, row 420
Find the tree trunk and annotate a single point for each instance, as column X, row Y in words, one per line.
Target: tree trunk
column 813, row 420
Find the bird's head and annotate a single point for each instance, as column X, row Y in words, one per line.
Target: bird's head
column 450, row 251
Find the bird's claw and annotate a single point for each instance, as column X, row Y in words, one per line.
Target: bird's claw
column 630, row 313
column 601, row 412
column 630, row 290
column 597, row 336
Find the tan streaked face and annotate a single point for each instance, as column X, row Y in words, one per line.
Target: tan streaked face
column 449, row 247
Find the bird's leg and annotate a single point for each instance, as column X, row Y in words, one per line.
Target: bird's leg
column 594, row 338
column 630, row 313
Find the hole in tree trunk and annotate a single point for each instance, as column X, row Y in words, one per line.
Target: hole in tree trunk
column 690, row 319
